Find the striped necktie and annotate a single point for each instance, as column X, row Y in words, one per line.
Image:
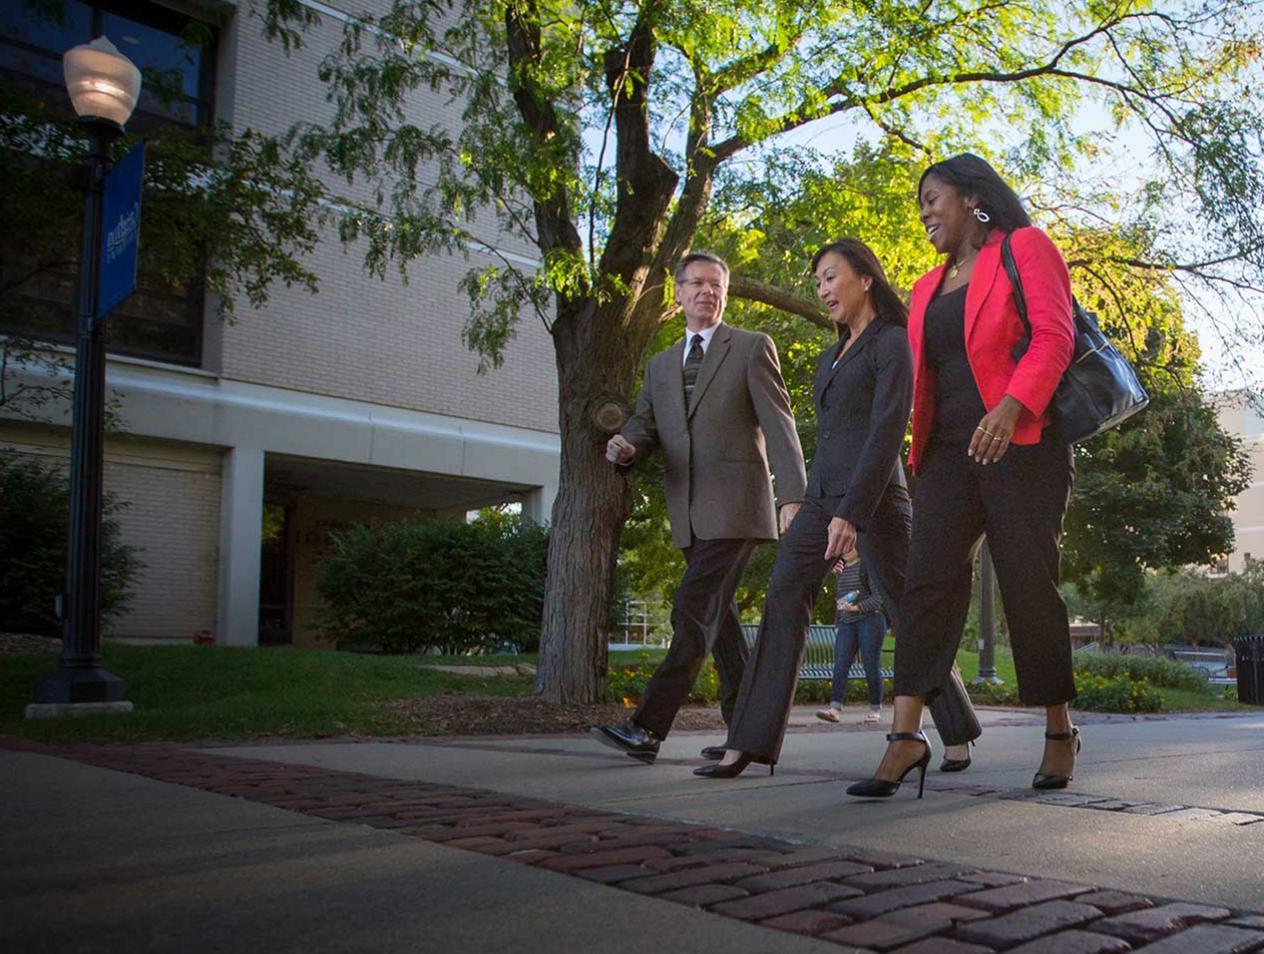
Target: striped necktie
column 693, row 364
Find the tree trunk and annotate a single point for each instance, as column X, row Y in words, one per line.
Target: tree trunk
column 597, row 360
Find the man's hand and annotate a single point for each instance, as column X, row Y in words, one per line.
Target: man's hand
column 842, row 538
column 787, row 515
column 619, row 451
column 846, row 607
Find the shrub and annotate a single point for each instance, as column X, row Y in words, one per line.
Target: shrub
column 458, row 587
column 34, row 513
column 1158, row 672
column 1115, row 694
column 626, row 683
column 986, row 694
column 817, row 692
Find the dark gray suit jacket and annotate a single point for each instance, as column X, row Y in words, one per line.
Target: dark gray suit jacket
column 862, row 410
column 719, row 449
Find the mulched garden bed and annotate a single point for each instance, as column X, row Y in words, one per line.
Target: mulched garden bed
column 24, row 644
column 500, row 715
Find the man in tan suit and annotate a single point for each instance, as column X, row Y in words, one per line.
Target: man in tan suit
column 716, row 405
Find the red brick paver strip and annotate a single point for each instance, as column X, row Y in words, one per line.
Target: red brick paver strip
column 1209, row 939
column 1137, row 927
column 599, row 859
column 790, row 877
column 767, row 905
column 994, row 879
column 807, row 922
column 905, row 926
column 900, row 877
column 702, row 895
column 1074, row 942
column 942, row 945
column 611, row 875
column 1020, row 895
column 866, row 899
column 707, row 874
column 876, row 905
column 1028, row 923
column 810, row 856
column 1111, row 903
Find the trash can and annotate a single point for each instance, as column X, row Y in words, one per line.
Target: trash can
column 1250, row 652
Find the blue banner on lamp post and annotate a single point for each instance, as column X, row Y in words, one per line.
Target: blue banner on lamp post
column 120, row 234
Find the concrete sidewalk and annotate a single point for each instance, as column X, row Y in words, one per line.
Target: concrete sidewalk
column 94, row 859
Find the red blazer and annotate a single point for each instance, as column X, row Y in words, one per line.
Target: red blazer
column 993, row 328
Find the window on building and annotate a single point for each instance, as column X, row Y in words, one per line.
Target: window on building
column 163, row 319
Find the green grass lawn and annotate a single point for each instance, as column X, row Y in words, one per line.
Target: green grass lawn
column 212, row 692
column 183, row 693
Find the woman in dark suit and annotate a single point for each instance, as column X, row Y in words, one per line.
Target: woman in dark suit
column 856, row 497
column 984, row 461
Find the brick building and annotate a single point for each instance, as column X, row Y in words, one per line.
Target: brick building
column 243, row 444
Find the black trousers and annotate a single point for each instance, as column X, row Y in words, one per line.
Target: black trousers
column 763, row 706
column 1019, row 504
column 704, row 619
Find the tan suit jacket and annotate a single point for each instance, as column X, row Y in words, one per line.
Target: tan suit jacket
column 717, row 450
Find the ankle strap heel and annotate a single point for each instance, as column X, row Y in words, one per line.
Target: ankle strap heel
column 885, row 788
column 906, row 737
column 1048, row 780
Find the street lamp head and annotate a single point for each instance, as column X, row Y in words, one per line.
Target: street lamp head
column 101, row 81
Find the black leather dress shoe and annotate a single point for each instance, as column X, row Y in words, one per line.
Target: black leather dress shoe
column 629, row 738
column 713, row 753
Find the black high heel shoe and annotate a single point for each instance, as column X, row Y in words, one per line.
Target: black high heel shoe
column 957, row 765
column 1047, row 780
column 735, row 768
column 881, row 787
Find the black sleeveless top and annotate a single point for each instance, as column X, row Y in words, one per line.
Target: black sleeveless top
column 958, row 404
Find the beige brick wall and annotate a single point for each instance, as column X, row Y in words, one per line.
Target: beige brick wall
column 361, row 338
column 387, row 343
column 172, row 492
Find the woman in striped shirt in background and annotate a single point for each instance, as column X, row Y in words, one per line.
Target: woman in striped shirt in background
column 861, row 626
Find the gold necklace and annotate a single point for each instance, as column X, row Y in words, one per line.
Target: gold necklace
column 955, row 268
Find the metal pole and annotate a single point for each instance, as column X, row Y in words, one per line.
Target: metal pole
column 80, row 676
column 987, row 622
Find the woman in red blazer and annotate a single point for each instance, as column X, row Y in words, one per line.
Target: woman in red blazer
column 985, row 462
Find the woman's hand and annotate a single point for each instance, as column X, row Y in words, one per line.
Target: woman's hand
column 842, row 538
column 991, row 438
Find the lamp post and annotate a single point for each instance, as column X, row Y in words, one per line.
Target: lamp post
column 103, row 86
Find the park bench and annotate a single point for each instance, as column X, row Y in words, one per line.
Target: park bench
column 1215, row 665
column 818, row 655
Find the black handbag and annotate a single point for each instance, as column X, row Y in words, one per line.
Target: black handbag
column 1099, row 388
